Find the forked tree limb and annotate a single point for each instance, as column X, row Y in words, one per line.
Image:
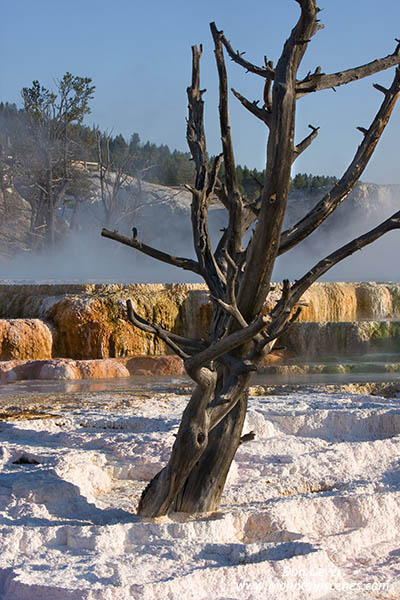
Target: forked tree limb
column 316, row 82
column 267, row 71
column 174, row 341
column 303, row 228
column 231, row 306
column 183, row 263
column 155, row 330
column 232, row 310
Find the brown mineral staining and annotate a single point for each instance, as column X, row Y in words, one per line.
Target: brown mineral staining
column 94, row 325
column 89, row 322
column 24, row 339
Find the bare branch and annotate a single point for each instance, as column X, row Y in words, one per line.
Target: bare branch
column 232, row 275
column 191, row 345
column 234, row 197
column 280, row 326
column 343, row 187
column 281, row 304
column 206, row 181
column 229, row 160
column 195, row 124
column 247, row 437
column 267, row 87
column 213, row 175
column 320, row 81
column 380, row 88
column 261, row 113
column 232, row 310
column 202, row 243
column 183, row 263
column 237, row 57
column 327, row 263
column 221, row 193
column 304, row 144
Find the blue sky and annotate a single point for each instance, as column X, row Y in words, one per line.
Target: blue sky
column 138, row 55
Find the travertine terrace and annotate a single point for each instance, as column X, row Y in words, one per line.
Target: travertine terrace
column 88, row 321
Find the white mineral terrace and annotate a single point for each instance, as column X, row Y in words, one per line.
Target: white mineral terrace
column 311, row 509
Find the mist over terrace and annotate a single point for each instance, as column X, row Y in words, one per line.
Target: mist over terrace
column 162, row 219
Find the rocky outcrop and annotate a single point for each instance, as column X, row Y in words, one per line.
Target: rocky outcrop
column 25, row 339
column 15, row 216
column 336, row 302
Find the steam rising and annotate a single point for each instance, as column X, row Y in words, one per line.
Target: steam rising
column 162, row 218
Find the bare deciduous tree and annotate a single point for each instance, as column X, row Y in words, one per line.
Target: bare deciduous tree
column 122, row 195
column 238, row 274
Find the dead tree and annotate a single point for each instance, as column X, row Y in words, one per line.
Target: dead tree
column 238, row 274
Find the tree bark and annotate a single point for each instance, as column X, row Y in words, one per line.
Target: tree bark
column 203, row 488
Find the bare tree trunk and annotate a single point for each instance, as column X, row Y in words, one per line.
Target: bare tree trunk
column 203, row 488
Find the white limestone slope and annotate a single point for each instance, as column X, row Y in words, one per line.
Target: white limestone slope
column 311, row 509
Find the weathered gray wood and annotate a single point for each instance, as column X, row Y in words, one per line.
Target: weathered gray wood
column 320, row 81
column 183, row 263
column 203, row 488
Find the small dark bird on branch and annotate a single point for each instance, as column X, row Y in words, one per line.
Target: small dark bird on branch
column 134, row 233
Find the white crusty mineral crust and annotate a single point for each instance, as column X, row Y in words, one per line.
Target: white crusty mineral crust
column 311, row 509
